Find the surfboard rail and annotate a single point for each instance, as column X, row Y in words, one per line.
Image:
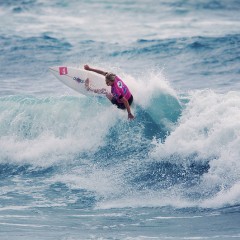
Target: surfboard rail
column 75, row 79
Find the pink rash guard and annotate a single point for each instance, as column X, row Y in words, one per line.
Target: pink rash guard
column 119, row 90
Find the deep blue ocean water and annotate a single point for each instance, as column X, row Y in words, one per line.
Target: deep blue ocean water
column 73, row 167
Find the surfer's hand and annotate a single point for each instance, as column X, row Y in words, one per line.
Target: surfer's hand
column 86, row 67
column 130, row 116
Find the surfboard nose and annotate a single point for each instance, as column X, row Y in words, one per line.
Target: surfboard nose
column 53, row 68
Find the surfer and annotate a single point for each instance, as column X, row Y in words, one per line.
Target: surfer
column 120, row 94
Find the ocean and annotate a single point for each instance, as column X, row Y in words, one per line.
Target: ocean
column 74, row 167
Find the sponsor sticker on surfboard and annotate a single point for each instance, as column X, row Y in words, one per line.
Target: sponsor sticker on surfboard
column 63, row 71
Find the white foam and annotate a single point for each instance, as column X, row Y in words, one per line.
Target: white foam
column 161, row 198
column 102, row 182
column 208, row 124
column 149, row 85
column 45, row 133
column 225, row 197
column 209, row 129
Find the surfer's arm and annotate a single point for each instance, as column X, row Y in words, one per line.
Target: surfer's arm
column 126, row 104
column 86, row 67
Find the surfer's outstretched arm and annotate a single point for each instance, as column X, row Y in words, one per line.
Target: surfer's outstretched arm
column 86, row 67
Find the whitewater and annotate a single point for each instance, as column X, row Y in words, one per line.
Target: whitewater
column 74, row 167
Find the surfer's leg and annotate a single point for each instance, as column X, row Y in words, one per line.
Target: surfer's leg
column 87, row 84
column 109, row 96
column 114, row 101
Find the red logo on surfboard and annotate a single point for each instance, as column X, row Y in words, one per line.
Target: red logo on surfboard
column 63, row 71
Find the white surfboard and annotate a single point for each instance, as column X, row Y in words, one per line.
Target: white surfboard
column 75, row 79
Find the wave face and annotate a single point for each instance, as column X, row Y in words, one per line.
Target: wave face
column 192, row 161
column 73, row 167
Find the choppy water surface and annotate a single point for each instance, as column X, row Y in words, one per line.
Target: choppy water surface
column 73, row 167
